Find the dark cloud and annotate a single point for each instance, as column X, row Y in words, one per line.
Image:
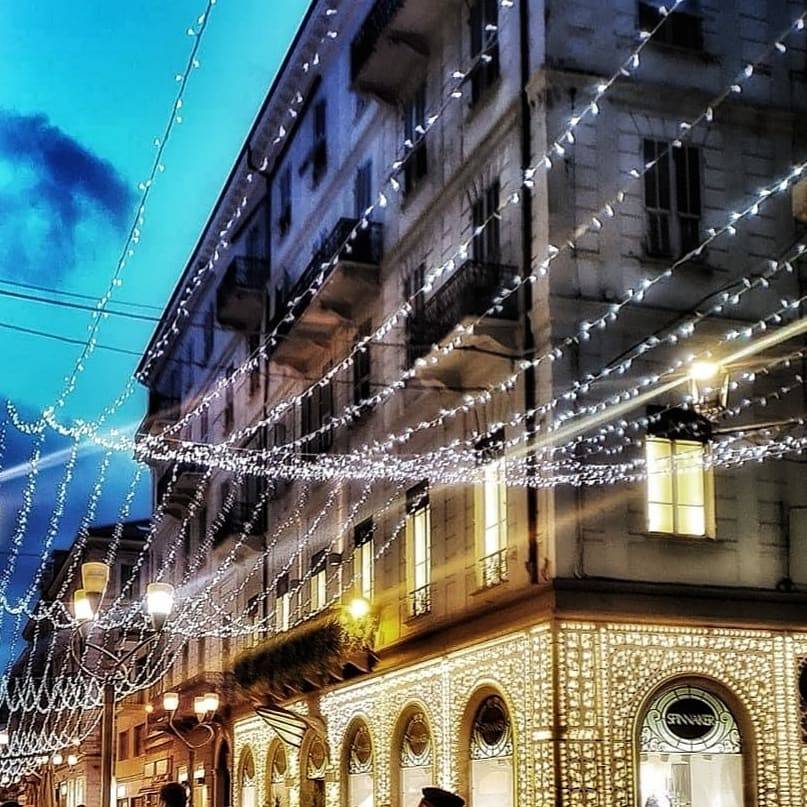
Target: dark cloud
column 51, row 187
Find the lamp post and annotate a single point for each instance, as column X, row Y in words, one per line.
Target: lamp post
column 112, row 668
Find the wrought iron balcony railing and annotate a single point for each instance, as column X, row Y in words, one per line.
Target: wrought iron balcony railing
column 420, row 601
column 493, row 569
column 468, row 292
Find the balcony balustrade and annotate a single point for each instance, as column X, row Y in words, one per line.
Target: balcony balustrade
column 344, row 289
column 393, row 44
column 241, row 295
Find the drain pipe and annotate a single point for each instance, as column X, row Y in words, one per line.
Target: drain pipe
column 533, row 559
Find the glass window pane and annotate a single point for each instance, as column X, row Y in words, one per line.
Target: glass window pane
column 492, row 782
column 660, row 517
column 413, row 780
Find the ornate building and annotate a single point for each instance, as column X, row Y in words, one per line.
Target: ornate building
column 566, row 204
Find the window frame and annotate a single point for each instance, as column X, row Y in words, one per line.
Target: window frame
column 486, row 246
column 491, row 563
column 415, row 166
column 484, row 74
column 707, row 490
column 364, row 559
column 418, row 545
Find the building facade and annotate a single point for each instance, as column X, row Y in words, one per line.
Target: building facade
column 629, row 629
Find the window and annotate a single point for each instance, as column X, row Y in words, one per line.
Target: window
column 418, row 541
column 678, row 486
column 284, row 214
column 185, row 662
column 671, row 233
column 123, row 745
column 416, row 760
column 253, row 345
column 681, row 29
column 139, row 740
column 282, row 603
column 201, row 657
column 246, row 780
column 491, row 510
column 204, row 425
column 485, row 223
column 319, row 153
column 360, row 769
column 226, row 647
column 363, row 559
column 690, row 749
column 484, row 22
column 278, row 790
column 316, row 410
column 187, row 549
column 413, row 292
column 254, row 246
column 209, row 332
column 318, row 582
column 362, row 365
column 363, row 189
column 416, row 159
column 491, row 755
column 229, row 403
column 315, row 761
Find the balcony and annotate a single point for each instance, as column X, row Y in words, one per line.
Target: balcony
column 465, row 296
column 493, row 569
column 419, row 601
column 393, row 44
column 241, row 295
column 162, row 413
column 176, row 502
column 244, row 519
column 344, row 291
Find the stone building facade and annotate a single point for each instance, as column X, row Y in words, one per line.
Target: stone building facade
column 612, row 644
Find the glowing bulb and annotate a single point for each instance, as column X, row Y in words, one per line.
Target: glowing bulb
column 703, row 370
column 72, row 759
column 171, row 701
column 159, row 603
column 148, row 708
column 211, row 702
column 82, row 607
column 359, row 608
column 58, row 758
column 4, row 738
column 200, row 706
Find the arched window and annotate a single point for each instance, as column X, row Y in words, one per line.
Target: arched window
column 416, row 760
column 315, row 761
column 491, row 755
column 690, row 750
column 246, row 780
column 360, row 769
column 276, row 776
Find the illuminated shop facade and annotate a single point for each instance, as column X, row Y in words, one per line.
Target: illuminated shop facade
column 590, row 713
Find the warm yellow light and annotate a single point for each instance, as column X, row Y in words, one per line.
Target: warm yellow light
column 359, row 608
column 58, row 758
column 4, row 738
column 94, row 577
column 171, row 701
column 82, row 607
column 200, row 706
column 121, row 791
column 159, row 602
column 703, row 370
column 72, row 759
column 148, row 708
column 211, row 702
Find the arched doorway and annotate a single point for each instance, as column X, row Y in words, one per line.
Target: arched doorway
column 491, row 755
column 690, row 751
column 415, row 758
column 314, row 764
column 223, row 790
column 276, row 772
column 247, row 789
column 360, row 763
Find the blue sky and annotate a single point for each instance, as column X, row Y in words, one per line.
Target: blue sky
column 85, row 89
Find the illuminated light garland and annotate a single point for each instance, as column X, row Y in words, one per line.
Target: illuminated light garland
column 403, row 311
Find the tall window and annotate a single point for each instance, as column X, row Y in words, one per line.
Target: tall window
column 690, row 751
column 253, row 344
column 413, row 292
column 363, row 559
column 316, row 409
column 282, row 603
column 485, row 223
column 229, row 403
column 363, row 189
column 139, row 739
column 672, row 190
column 418, row 541
column 315, row 763
column 416, row 163
column 484, row 23
column 318, row 582
column 278, row 765
column 362, row 365
column 492, row 755
column 491, row 510
column 319, row 153
column 416, row 760
column 254, row 245
column 209, row 332
column 682, row 29
column 679, row 487
column 360, row 769
column 284, row 213
column 246, row 780
column 123, row 745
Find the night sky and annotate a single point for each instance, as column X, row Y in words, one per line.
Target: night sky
column 84, row 90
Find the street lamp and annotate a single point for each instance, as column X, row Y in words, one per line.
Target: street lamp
column 112, row 668
column 58, row 758
column 4, row 738
column 204, row 707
